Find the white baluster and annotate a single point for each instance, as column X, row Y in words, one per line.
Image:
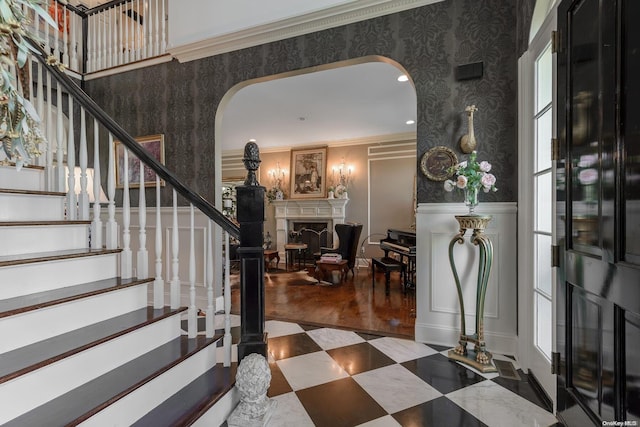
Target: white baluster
column 65, row 35
column 158, row 284
column 51, row 181
column 175, row 281
column 111, row 238
column 56, row 39
column 126, row 257
column 60, row 150
column 74, row 65
column 227, row 303
column 139, row 32
column 114, row 34
column 90, row 44
column 127, row 24
column 72, row 205
column 96, row 225
column 157, row 26
column 83, row 200
column 163, row 34
column 47, row 43
column 39, row 96
column 211, row 313
column 151, row 17
column 121, row 43
column 143, row 254
column 192, row 323
column 105, row 40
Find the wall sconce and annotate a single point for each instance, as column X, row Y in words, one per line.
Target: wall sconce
column 277, row 176
column 341, row 173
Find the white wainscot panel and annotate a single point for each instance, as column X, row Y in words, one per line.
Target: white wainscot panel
column 438, row 310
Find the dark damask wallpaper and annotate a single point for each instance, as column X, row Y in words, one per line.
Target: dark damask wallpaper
column 181, row 100
column 525, row 13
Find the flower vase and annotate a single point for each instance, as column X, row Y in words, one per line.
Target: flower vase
column 471, row 198
column 331, row 194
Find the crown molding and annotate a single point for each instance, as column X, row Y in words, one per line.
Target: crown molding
column 292, row 27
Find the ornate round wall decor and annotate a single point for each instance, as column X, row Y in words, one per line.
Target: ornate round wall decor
column 435, row 163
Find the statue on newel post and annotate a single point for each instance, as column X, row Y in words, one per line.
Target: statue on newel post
column 254, row 375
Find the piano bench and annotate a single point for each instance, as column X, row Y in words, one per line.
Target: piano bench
column 387, row 265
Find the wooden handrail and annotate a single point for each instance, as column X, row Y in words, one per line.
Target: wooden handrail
column 123, row 136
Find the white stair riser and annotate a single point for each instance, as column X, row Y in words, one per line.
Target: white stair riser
column 37, row 325
column 25, row 179
column 43, row 238
column 135, row 405
column 218, row 413
column 30, row 207
column 25, row 279
column 32, row 390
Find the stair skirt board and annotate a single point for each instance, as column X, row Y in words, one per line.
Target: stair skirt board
column 37, row 325
column 27, row 179
column 43, row 238
column 219, row 412
column 51, row 381
column 31, row 207
column 24, row 279
column 135, row 405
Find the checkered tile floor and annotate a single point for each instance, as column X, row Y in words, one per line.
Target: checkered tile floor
column 332, row 377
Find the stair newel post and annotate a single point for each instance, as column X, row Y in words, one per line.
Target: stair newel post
column 96, row 224
column 250, row 197
column 209, row 321
column 83, row 200
column 72, row 205
column 227, row 304
column 142, row 259
column 192, row 326
column 111, row 237
column 126, row 269
column 175, row 280
column 158, row 284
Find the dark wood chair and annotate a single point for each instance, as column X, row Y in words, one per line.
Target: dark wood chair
column 348, row 238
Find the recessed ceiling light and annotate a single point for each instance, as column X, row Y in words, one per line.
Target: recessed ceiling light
column 403, row 78
column 410, row 122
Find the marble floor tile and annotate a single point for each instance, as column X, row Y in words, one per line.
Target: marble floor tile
column 386, row 421
column 291, row 346
column 311, row 369
column 339, row 403
column 437, row 412
column 442, row 373
column 496, row 406
column 276, row 328
column 289, row 412
column 402, row 350
column 359, row 358
column 328, row 338
column 395, row 388
column 279, row 384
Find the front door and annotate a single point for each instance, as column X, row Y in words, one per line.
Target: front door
column 598, row 212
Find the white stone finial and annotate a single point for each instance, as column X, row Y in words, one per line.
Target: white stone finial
column 252, row 381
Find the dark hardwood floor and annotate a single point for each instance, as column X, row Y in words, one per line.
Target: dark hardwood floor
column 352, row 304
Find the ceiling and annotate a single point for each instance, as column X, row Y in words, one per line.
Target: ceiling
column 333, row 105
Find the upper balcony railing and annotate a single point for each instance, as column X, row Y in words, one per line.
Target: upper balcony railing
column 116, row 33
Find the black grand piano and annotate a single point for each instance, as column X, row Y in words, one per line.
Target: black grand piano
column 402, row 243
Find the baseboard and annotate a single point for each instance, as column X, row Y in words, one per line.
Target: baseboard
column 446, row 336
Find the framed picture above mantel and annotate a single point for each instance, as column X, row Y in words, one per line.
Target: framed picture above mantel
column 309, row 173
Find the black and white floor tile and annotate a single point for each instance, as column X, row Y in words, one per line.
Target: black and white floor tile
column 333, row 377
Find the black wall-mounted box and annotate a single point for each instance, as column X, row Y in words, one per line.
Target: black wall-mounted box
column 470, row 71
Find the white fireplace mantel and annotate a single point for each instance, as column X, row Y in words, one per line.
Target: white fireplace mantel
column 331, row 210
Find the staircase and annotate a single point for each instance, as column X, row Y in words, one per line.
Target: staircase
column 81, row 345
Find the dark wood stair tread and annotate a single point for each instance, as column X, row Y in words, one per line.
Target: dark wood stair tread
column 30, row 223
column 189, row 403
column 82, row 402
column 34, row 356
column 32, row 192
column 24, row 303
column 18, row 259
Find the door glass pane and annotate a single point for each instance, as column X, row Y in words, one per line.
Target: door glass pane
column 543, row 279
column 583, row 133
column 630, row 94
column 544, row 72
column 543, row 140
column 544, row 206
column 543, row 324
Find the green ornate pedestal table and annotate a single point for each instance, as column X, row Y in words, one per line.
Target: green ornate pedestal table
column 479, row 357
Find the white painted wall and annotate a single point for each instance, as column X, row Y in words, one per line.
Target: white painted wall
column 438, row 313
